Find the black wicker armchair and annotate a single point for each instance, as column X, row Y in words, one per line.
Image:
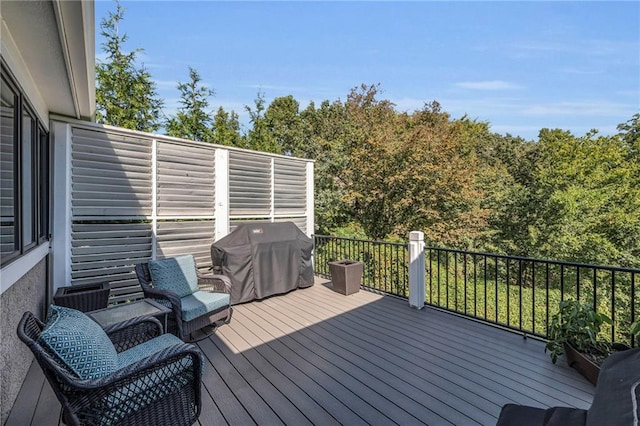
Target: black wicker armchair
column 181, row 323
column 162, row 388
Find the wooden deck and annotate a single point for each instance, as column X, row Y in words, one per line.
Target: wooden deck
column 316, row 357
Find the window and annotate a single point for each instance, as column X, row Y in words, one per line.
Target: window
column 28, row 170
column 24, row 174
column 43, row 185
column 8, row 186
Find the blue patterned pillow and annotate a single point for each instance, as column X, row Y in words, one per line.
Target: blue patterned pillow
column 177, row 274
column 79, row 342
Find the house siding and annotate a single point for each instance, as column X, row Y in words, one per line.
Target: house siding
column 27, row 294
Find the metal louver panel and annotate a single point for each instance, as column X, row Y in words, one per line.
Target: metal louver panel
column 233, row 224
column 7, row 191
column 111, row 174
column 249, row 184
column 301, row 222
column 186, row 180
column 109, row 252
column 194, row 237
column 290, row 192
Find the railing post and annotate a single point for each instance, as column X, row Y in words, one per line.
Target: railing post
column 416, row 270
column 221, row 195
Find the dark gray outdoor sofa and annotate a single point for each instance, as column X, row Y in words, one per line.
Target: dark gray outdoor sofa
column 615, row 403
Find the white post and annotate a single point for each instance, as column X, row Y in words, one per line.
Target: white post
column 417, row 292
column 61, row 200
column 222, row 193
column 154, row 199
column 273, row 190
column 310, row 194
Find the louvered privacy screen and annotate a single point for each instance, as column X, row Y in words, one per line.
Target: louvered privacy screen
column 127, row 208
column 7, row 208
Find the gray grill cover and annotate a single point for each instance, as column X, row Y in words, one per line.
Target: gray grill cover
column 264, row 259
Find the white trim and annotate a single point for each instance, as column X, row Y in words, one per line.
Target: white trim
column 10, row 274
column 62, row 33
column 273, row 190
column 310, row 200
column 61, row 205
column 20, row 71
column 164, row 138
column 221, row 193
column 416, row 270
column 154, row 198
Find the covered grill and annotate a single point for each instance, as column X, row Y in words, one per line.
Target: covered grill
column 264, row 259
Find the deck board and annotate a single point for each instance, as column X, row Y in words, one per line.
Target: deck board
column 313, row 356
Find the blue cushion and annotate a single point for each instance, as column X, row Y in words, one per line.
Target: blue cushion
column 177, row 274
column 146, row 349
column 79, row 342
column 202, row 302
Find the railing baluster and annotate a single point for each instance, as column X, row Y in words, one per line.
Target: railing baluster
column 578, row 283
column 520, row 292
column 613, row 306
column 533, row 297
column 508, row 294
column 547, row 295
column 455, row 279
column 633, row 304
column 446, row 283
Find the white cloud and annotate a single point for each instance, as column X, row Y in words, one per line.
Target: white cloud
column 596, row 108
column 488, row 85
column 166, row 84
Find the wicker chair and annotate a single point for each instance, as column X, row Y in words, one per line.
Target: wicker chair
column 188, row 329
column 160, row 389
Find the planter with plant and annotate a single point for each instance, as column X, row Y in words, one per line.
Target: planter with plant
column 574, row 332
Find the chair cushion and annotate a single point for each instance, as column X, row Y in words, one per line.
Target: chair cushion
column 201, row 303
column 79, row 342
column 520, row 415
column 523, row 415
column 617, row 397
column 177, row 274
column 146, row 349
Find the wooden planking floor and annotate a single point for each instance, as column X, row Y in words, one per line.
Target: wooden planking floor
column 317, row 357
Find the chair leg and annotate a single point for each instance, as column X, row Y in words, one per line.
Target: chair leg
column 227, row 320
column 201, row 334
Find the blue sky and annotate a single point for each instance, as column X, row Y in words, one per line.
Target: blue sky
column 521, row 66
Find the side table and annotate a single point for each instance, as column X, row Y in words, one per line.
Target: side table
column 126, row 311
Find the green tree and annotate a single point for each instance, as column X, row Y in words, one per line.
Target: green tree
column 284, row 124
column 326, row 132
column 226, row 128
column 192, row 121
column 412, row 171
column 588, row 199
column 125, row 94
column 259, row 137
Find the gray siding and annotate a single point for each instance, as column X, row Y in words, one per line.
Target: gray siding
column 27, row 294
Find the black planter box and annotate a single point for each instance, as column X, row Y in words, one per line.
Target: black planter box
column 84, row 297
column 346, row 276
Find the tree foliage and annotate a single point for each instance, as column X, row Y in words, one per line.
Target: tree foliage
column 226, row 128
column 192, row 121
column 125, row 94
column 380, row 173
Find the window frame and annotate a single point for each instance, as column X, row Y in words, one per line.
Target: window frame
column 40, row 174
column 17, row 133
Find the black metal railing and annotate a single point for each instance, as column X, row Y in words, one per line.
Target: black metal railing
column 517, row 293
column 385, row 264
column 522, row 293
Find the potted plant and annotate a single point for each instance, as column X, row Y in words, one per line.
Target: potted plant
column 574, row 332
